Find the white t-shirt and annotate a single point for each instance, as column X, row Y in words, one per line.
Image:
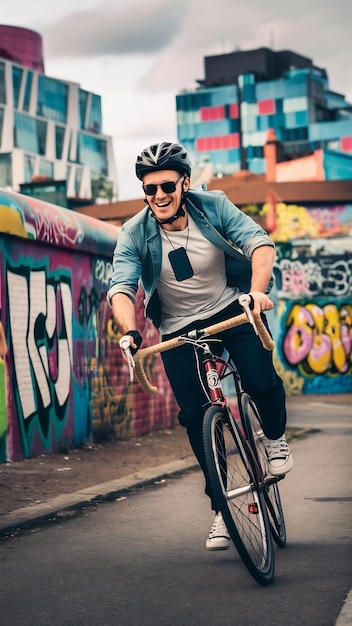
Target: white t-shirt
column 200, row 296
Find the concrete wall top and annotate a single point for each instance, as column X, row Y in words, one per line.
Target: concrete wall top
column 29, row 218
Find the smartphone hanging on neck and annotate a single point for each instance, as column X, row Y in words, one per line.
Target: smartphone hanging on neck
column 180, row 264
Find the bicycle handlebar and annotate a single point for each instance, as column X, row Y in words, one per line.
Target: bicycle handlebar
column 163, row 346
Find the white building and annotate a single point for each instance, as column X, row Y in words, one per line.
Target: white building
column 50, row 129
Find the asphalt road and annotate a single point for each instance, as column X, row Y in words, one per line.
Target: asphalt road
column 141, row 560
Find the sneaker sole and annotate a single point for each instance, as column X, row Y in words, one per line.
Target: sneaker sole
column 280, row 471
column 212, row 547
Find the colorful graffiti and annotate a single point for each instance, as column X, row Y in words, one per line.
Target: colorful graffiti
column 291, row 221
column 33, row 219
column 314, row 297
column 319, row 339
column 39, row 313
column 68, row 377
column 313, row 352
column 322, row 276
column 68, row 380
column 63, row 381
column 286, row 222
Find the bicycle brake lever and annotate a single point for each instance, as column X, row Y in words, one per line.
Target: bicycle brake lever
column 246, row 302
column 125, row 345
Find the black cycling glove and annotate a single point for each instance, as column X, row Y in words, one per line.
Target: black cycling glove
column 137, row 339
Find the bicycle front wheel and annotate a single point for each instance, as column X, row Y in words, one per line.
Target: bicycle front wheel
column 232, row 478
column 254, row 432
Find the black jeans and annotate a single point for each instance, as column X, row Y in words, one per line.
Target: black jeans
column 256, row 369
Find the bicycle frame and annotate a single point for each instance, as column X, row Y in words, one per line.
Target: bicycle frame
column 217, row 396
column 209, row 363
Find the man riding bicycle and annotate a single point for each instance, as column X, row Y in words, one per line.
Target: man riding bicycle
column 195, row 253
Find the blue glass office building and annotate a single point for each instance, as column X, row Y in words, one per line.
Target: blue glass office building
column 244, row 94
column 50, row 129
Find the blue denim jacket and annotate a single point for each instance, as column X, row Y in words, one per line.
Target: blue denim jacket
column 138, row 250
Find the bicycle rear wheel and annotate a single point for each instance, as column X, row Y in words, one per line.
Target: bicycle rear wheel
column 236, row 494
column 255, row 435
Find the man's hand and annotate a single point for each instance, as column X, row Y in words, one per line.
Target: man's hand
column 126, row 343
column 255, row 302
column 261, row 301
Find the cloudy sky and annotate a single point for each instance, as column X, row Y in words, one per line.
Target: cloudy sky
column 138, row 54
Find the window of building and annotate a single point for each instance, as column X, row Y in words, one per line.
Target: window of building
column 46, row 168
column 41, row 131
column 28, row 91
column 78, row 180
column 5, row 170
column 82, row 108
column 334, row 145
column 234, row 126
column 2, row 112
column 247, row 85
column 249, row 117
column 17, row 73
column 254, row 139
column 291, row 105
column 92, row 152
column 193, row 101
column 29, row 165
column 52, row 99
column 257, row 166
column 301, row 118
column 249, row 123
column 95, row 120
column 217, row 127
column 208, row 114
column 2, row 84
column 200, row 99
column 59, row 141
column 29, row 133
column 220, row 142
column 264, row 122
column 233, row 110
column 346, row 144
column 266, row 107
column 298, row 149
column 254, row 152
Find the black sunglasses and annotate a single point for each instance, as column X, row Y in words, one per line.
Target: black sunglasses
column 168, row 187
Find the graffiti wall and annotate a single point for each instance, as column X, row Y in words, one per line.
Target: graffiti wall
column 313, row 323
column 62, row 378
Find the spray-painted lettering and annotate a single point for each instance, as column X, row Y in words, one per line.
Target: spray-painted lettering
column 40, row 314
column 319, row 339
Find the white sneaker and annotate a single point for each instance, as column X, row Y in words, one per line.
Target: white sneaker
column 219, row 538
column 280, row 459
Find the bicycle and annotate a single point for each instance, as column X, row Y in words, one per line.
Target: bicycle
column 247, row 496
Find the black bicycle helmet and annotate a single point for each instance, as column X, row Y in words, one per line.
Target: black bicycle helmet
column 163, row 156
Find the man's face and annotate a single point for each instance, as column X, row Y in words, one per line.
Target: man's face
column 164, row 204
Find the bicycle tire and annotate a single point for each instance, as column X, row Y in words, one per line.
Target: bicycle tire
column 235, row 490
column 253, row 428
